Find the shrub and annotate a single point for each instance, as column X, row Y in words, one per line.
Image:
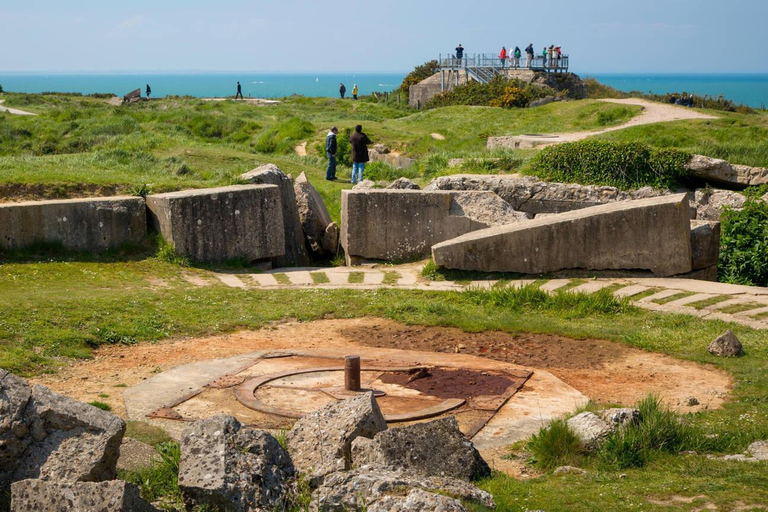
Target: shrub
column 625, row 165
column 1, row 89
column 499, row 92
column 744, row 244
column 555, row 445
column 418, row 74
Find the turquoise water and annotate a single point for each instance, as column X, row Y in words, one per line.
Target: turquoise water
column 203, row 85
column 750, row 90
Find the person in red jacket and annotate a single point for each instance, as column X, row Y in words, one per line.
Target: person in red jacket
column 503, row 56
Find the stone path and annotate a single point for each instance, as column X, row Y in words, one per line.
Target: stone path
column 732, row 303
column 15, row 111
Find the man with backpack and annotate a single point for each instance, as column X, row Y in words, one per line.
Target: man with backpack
column 529, row 54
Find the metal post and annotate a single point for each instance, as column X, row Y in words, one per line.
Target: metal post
column 352, row 373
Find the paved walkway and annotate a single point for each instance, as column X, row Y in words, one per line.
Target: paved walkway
column 732, row 303
column 15, row 111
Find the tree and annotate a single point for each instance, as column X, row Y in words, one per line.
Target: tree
column 419, row 73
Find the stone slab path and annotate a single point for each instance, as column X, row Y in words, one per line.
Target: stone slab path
column 14, row 111
column 743, row 305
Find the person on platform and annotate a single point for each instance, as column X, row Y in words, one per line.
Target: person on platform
column 503, row 56
column 330, row 151
column 529, row 55
column 516, row 54
column 359, row 142
column 239, row 91
column 544, row 56
column 354, row 92
column 342, row 90
column 459, row 54
column 149, row 91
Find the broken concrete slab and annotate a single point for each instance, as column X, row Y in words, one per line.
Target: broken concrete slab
column 220, row 224
column 42, row 496
column 295, row 250
column 322, row 234
column 705, row 244
column 652, row 234
column 711, row 202
column 721, row 172
column 78, row 224
column 397, row 225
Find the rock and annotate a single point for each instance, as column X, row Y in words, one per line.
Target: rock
column 47, row 436
column 691, row 401
column 42, row 496
column 417, row 500
column 569, row 470
column 380, row 153
column 652, row 234
column 91, row 224
column 705, row 244
column 224, row 464
column 381, row 148
column 720, row 172
column 590, row 429
column 727, row 345
column 352, row 490
column 220, row 224
column 619, row 417
column 315, row 219
column 396, row 225
column 710, row 203
column 365, row 185
column 403, row 184
column 435, row 448
column 320, row 443
column 546, row 100
column 759, row 450
column 295, row 250
column 135, row 455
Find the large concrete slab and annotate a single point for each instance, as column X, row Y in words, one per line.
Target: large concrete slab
column 78, row 224
column 397, row 225
column 219, row 224
column 652, row 234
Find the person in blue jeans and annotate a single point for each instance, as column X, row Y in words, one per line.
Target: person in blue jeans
column 359, row 141
column 330, row 151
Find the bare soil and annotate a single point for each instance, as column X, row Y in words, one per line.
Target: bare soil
column 444, row 383
column 606, row 372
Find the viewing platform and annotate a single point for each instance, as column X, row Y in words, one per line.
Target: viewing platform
column 483, row 67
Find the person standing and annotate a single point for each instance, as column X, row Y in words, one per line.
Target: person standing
column 459, row 54
column 342, row 90
column 149, row 91
column 359, row 142
column 544, row 56
column 503, row 56
column 516, row 54
column 529, row 55
column 330, row 151
column 239, row 91
column 354, row 92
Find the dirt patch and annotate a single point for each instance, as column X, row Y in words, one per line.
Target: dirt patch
column 606, row 372
column 443, row 383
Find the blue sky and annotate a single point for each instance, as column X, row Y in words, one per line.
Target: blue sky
column 672, row 36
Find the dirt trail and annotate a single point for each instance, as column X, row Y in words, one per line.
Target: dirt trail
column 605, row 371
column 15, row 111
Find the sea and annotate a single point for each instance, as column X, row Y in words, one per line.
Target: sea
column 748, row 89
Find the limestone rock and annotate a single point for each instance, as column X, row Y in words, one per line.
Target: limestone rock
column 759, row 450
column 727, row 345
column 135, row 455
column 295, row 250
column 417, row 500
column 705, row 244
column 619, row 417
column 710, row 202
column 590, row 429
column 314, row 216
column 47, row 436
column 380, row 153
column 352, row 490
column 224, row 464
column 403, row 184
column 366, row 185
column 435, row 448
column 320, row 443
column 716, row 171
column 43, row 496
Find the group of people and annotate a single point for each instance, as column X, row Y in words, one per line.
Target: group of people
column 343, row 91
column 551, row 55
column 358, row 142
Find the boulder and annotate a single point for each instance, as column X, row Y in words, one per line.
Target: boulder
column 396, row 225
column 705, row 244
column 348, row 491
column 92, row 224
column 435, row 448
column 135, row 455
column 320, row 443
column 417, row 500
column 219, row 224
column 720, row 172
column 591, row 429
column 403, row 184
column 758, row 450
column 368, row 184
column 44, row 496
column 321, row 233
column 47, row 436
column 652, row 234
column 295, row 250
column 224, row 464
column 619, row 416
column 710, row 202
column 726, row 345
column 380, row 153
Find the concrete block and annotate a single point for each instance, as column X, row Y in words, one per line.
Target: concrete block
column 78, row 224
column 219, row 224
column 42, row 496
column 705, row 244
column 403, row 224
column 652, row 234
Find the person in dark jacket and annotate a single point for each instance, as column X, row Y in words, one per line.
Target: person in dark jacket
column 149, row 91
column 459, row 53
column 359, row 142
column 239, row 91
column 529, row 54
column 342, row 90
column 330, row 151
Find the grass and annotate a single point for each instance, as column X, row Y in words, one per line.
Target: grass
column 356, row 277
column 282, row 278
column 573, row 283
column 740, row 308
column 101, row 405
column 160, row 480
column 644, row 294
column 146, row 433
column 391, row 277
column 672, row 298
column 319, row 277
column 717, row 299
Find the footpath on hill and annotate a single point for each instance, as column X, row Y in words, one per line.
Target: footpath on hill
column 14, row 111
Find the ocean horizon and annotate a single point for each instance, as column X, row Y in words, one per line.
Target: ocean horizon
column 748, row 89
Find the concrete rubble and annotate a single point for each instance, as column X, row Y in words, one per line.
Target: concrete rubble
column 321, row 232
column 593, row 427
column 45, row 496
column 721, row 172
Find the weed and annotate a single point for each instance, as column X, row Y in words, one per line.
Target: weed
column 431, row 272
column 555, row 445
column 167, row 252
column 101, row 405
column 160, row 480
column 146, row 433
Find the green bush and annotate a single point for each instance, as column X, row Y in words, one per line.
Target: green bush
column 626, row 165
column 744, row 244
column 555, row 445
column 418, row 74
column 499, row 92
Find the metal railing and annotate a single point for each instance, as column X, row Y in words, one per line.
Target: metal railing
column 484, row 66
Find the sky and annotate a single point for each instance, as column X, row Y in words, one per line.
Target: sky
column 294, row 36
